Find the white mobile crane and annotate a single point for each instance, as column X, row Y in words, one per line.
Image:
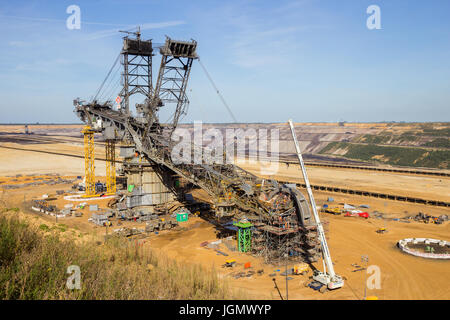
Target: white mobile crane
column 331, row 280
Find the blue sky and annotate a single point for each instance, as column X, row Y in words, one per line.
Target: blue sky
column 309, row 60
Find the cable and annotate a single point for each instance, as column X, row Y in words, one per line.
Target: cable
column 107, row 88
column 110, row 70
column 113, row 90
column 112, row 80
column 217, row 91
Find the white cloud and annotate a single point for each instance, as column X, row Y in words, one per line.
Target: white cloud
column 43, row 65
column 261, row 38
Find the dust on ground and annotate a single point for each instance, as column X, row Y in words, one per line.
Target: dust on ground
column 402, row 276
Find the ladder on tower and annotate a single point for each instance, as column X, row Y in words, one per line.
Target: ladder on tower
column 89, row 168
column 110, row 149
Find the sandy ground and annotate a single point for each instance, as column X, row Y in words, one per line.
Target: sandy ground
column 421, row 186
column 402, row 276
column 21, row 158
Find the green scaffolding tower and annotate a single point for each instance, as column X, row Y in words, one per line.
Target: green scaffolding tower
column 244, row 236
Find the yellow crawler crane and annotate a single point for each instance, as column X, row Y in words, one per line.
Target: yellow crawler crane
column 110, row 166
column 89, row 168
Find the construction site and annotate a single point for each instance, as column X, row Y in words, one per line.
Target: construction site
column 308, row 230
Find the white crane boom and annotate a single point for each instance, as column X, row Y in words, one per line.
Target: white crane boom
column 331, row 279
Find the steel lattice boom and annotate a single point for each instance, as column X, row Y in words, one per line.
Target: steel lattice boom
column 235, row 192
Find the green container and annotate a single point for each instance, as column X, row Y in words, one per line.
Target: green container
column 131, row 188
column 182, row 217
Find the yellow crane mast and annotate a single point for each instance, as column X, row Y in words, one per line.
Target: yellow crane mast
column 110, row 149
column 89, row 168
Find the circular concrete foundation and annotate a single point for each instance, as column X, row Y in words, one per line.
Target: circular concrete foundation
column 425, row 248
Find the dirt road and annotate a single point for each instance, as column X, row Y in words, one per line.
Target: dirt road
column 402, row 276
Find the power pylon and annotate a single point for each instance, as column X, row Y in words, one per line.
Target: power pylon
column 89, row 168
column 110, row 166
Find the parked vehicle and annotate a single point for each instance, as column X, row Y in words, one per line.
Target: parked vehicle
column 335, row 211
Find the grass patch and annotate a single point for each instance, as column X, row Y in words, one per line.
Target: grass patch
column 386, row 138
column 437, row 132
column 10, row 209
column 329, row 147
column 44, row 227
column 405, row 137
column 439, row 143
column 33, row 265
column 375, row 139
column 411, row 157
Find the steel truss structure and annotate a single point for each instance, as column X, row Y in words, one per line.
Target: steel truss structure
column 137, row 69
column 89, row 157
column 244, row 237
column 235, row 192
column 110, row 149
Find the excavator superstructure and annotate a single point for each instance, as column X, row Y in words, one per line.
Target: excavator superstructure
column 283, row 226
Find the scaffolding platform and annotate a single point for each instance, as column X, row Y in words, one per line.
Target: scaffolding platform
column 278, row 231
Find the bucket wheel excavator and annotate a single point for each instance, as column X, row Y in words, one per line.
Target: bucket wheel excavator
column 280, row 214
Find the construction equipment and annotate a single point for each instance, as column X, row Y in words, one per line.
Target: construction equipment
column 331, row 280
column 230, row 263
column 99, row 188
column 334, row 210
column 364, row 215
column 160, row 224
column 381, row 230
column 316, row 285
column 301, row 269
column 128, row 232
column 425, row 218
column 357, row 213
column 279, row 213
column 349, row 214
